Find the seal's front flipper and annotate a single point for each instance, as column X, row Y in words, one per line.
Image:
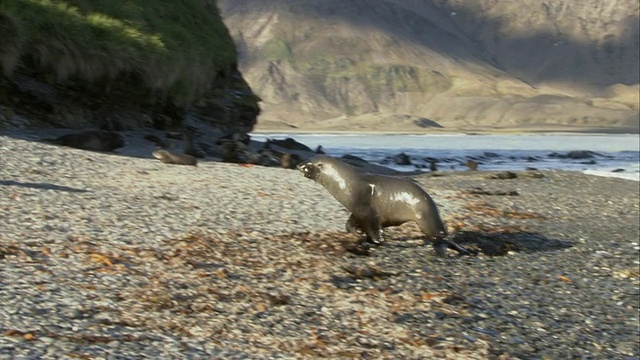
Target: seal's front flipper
column 374, row 236
column 352, row 225
column 441, row 247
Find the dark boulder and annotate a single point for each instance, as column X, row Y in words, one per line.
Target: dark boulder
column 490, row 154
column 399, row 159
column 574, row 154
column 290, row 144
column 94, row 140
column 353, row 158
column 235, row 136
column 580, row 154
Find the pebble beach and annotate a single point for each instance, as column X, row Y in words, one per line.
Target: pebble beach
column 109, row 256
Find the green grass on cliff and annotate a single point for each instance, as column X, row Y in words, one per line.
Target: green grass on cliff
column 171, row 46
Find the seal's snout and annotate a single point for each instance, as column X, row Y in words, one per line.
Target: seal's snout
column 305, row 168
column 309, row 169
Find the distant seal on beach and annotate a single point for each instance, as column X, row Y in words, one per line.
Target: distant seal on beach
column 169, row 157
column 472, row 165
column 94, row 140
column 378, row 201
column 289, row 161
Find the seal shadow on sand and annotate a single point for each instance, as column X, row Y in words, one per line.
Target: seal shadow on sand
column 488, row 243
column 497, row 243
column 501, row 243
column 41, row 186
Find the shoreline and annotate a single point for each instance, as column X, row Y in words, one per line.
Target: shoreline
column 136, row 146
column 456, row 131
column 478, row 133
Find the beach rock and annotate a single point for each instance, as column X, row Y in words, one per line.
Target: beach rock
column 161, row 121
column 366, row 166
column 433, row 165
column 533, row 173
column 190, row 147
column 350, row 157
column 234, row 136
column 574, row 154
column 273, row 157
column 503, row 175
column 94, row 140
column 195, row 152
column 235, row 152
column 580, row 154
column 175, row 135
column 238, row 152
column 425, row 123
column 290, row 144
column 481, row 191
column 158, row 141
column 401, row 159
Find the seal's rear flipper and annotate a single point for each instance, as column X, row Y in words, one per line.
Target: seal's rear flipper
column 442, row 245
column 461, row 250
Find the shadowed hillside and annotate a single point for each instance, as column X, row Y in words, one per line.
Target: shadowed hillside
column 398, row 65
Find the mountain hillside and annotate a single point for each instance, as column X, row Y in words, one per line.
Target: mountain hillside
column 411, row 64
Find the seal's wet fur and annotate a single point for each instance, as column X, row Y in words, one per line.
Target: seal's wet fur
column 378, row 201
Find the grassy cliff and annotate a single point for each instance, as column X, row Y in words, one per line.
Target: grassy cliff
column 171, row 49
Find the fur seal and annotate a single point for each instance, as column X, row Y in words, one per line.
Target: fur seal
column 472, row 165
column 169, row 157
column 289, row 161
column 378, row 201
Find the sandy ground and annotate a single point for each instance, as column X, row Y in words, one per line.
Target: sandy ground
column 112, row 256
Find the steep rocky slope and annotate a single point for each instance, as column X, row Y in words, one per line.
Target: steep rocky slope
column 117, row 64
column 402, row 64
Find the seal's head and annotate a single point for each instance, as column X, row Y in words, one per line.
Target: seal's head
column 159, row 154
column 334, row 174
column 312, row 168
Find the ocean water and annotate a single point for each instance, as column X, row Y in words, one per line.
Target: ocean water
column 613, row 155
